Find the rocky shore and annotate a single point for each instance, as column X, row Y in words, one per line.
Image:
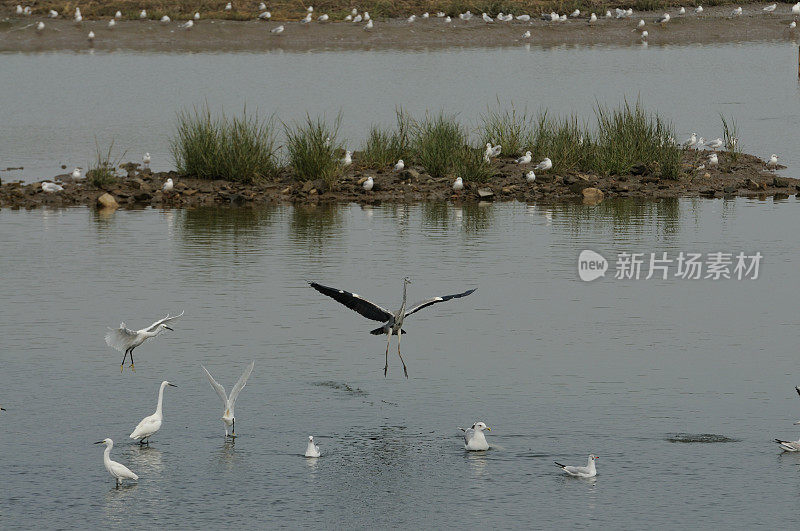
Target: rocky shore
column 140, row 188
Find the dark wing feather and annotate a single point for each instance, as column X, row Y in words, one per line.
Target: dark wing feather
column 424, row 304
column 354, row 302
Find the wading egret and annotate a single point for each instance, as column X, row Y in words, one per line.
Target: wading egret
column 118, row 471
column 228, row 416
column 151, row 424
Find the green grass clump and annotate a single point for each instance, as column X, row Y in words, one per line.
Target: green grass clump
column 384, row 147
column 437, row 143
column 565, row 141
column 472, row 167
column 103, row 171
column 313, row 150
column 240, row 148
column 512, row 130
column 730, row 138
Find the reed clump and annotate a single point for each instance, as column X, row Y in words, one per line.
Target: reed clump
column 313, row 151
column 437, row 143
column 103, row 170
column 384, row 146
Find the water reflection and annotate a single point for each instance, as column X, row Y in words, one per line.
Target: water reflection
column 316, row 224
column 145, row 461
column 226, row 456
column 212, row 225
column 477, row 217
column 621, row 215
column 477, row 463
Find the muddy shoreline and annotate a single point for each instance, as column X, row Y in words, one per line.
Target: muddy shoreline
column 715, row 25
column 746, row 177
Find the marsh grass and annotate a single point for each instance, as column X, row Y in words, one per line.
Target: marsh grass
column 103, row 170
column 566, row 141
column 511, row 129
column 472, row 167
column 313, row 150
column 730, row 138
column 384, row 147
column 437, row 143
column 239, row 148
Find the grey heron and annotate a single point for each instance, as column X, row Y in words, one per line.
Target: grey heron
column 392, row 322
column 125, row 340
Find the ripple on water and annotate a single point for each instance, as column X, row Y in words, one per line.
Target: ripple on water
column 341, row 386
column 699, row 438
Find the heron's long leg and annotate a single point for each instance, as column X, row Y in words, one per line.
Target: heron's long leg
column 399, row 335
column 233, row 429
column 388, row 339
column 122, row 365
column 131, row 365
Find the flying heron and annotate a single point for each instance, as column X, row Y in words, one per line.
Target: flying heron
column 125, row 340
column 392, row 323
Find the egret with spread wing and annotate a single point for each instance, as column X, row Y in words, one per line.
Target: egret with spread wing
column 393, row 323
column 125, row 340
column 228, row 417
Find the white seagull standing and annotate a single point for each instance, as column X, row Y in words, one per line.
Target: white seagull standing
column 715, row 144
column 682, row 11
column 143, row 14
column 348, row 158
column 368, row 184
column 588, row 471
column 530, row 177
column 125, row 340
column 698, row 9
column 118, row 471
column 118, row 15
column 228, row 416
column 400, row 165
column 152, row 423
column 474, row 439
column 40, row 26
column 713, row 160
column 769, row 8
column 146, row 160
column 487, row 18
column 458, row 185
column 76, row 173
column 796, row 9
column 692, row 140
column 737, row 12
column 369, row 25
column 312, row 450
column 663, row 20
column 545, row 165
column 196, row 15
column 526, row 35
column 772, row 163
column 525, row 159
column 187, row 25
column 112, row 23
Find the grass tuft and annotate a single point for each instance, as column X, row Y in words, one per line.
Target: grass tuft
column 512, row 130
column 103, row 171
column 730, row 138
column 384, row 147
column 438, row 143
column 313, row 150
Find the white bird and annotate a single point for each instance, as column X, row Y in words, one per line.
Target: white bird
column 78, row 19
column 187, row 25
column 525, row 159
column 366, row 15
column 359, row 18
column 152, row 423
column 713, row 160
column 772, row 163
column 701, row 167
column 368, row 184
column 262, row 6
column 400, row 165
column 91, row 38
column 576, row 13
column 40, row 26
column 426, row 15
column 796, row 9
column 28, row 10
column 277, row 30
column 118, row 15
column 698, row 9
column 125, row 340
column 715, row 144
column 411, row 19
column 447, row 20
column 792, row 25
column 168, row 185
column 165, row 19
column 312, row 450
column 118, row 471
column 474, row 439
column 323, row 18
column 588, row 471
column 562, row 18
column 682, row 11
column 369, row 25
column 620, row 12
column 458, row 185
column 440, row 14
column 228, row 6
column 465, row 16
column 53, row 14
column 354, row 12
column 663, row 20
column 348, row 158
column 700, row 142
column 310, row 9
column 769, row 8
column 789, row 446
column 526, row 35
column 196, row 15
column 228, row 402
column 608, row 14
column 530, row 176
column 49, row 187
column 487, row 18
column 496, row 149
column 645, row 34
column 348, row 18
column 265, row 15
column 306, row 19
column 524, row 18
column 112, row 23
column 143, row 14
column 146, row 160
column 692, row 140
column 592, row 18
column 737, row 12
column 629, row 12
column 545, row 165
column 19, row 10
column 640, row 24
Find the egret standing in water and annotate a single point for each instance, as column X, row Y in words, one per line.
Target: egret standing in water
column 125, row 340
column 228, row 417
column 151, row 424
column 474, row 439
column 312, row 450
column 393, row 323
column 118, row 471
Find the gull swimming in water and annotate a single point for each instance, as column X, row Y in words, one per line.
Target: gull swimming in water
column 348, row 158
column 125, row 339
column 368, row 184
column 789, row 446
column 525, row 159
column 400, row 165
column 118, row 471
column 168, row 186
column 49, row 187
column 737, row 12
column 474, row 439
column 312, row 450
column 769, row 8
column 530, row 177
column 772, row 163
column 588, row 471
column 278, row 30
column 545, row 165
column 149, row 425
column 458, row 185
column 228, row 416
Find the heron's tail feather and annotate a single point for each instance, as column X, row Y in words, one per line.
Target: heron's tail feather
column 381, row 331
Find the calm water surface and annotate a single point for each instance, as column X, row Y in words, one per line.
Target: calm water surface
column 557, row 367
column 57, row 106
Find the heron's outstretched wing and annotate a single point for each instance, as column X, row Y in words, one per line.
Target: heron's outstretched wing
column 217, row 387
column 120, row 338
column 797, row 388
column 162, row 321
column 370, row 310
column 424, row 304
column 240, row 384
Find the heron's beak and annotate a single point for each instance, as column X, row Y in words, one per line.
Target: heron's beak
column 99, row 442
column 172, row 385
column 168, row 328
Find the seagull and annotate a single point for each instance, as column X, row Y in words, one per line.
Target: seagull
column 772, row 163
column 698, row 10
column 792, row 25
column 592, row 18
column 474, row 439
column 168, row 186
column 526, row 35
column 524, row 18
column 118, row 471
column 323, row 18
column 411, row 19
column 588, row 471
column 112, row 23
column 196, row 15
column 400, row 165
column 692, row 140
column 358, row 18
column 496, row 149
column 576, row 13
column 715, row 144
column 76, row 173
column 713, row 160
column 310, row 9
column 447, row 20
column 278, row 30
column 545, row 165
column 354, row 12
column 393, row 323
column 465, row 16
column 348, row 158
column 265, row 15
column 563, row 18
column 91, row 38
column 458, row 185
column 487, row 18
column 682, row 11
column 663, row 20
column 644, row 35
column 368, row 184
column 796, row 9
column 530, row 176
column 262, row 6
column 143, row 14
column 608, row 14
column 187, row 25
column 769, row 8
column 789, row 446
column 118, row 15
column 228, row 416
column 440, row 14
column 228, row 6
column 737, row 12
column 306, row 19
column 165, row 19
column 640, row 24
column 152, row 423
column 348, row 18
column 125, row 339
column 19, row 10
column 700, row 142
column 312, row 450
column 40, row 26
column 525, row 159
column 426, row 15
column 49, row 187
column 369, row 25
column 53, row 14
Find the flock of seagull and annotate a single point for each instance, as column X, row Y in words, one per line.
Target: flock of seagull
column 354, row 17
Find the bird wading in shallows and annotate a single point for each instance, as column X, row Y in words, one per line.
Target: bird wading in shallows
column 125, row 340
column 393, row 322
column 228, row 416
column 152, row 423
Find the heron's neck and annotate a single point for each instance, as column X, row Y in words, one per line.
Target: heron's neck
column 107, row 453
column 159, row 408
column 405, row 290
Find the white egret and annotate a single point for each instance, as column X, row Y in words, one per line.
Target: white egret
column 125, row 339
column 458, row 185
column 168, row 186
column 400, row 165
column 152, row 423
column 588, row 471
column 368, row 184
column 312, row 450
column 118, row 471
column 474, row 439
column 50, row 188
column 228, row 416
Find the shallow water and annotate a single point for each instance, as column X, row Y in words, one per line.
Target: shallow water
column 57, row 106
column 557, row 367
